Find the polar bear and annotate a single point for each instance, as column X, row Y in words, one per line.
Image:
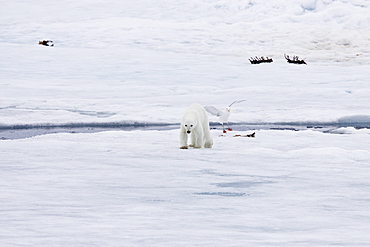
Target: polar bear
column 195, row 122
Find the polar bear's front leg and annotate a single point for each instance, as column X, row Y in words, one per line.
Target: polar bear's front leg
column 198, row 138
column 193, row 138
column 183, row 139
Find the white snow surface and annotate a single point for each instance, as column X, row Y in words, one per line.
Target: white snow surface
column 145, row 62
column 282, row 188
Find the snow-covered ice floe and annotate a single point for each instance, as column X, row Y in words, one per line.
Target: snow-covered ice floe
column 136, row 188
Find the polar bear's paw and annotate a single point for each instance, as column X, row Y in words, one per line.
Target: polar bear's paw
column 194, row 146
column 184, row 147
column 208, row 145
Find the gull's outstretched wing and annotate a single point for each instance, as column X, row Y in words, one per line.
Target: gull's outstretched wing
column 237, row 101
column 213, row 110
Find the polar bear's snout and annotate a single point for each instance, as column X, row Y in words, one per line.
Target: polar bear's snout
column 188, row 131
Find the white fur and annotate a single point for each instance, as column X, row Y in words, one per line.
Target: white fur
column 195, row 123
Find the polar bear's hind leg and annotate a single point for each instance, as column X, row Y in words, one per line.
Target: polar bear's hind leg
column 208, row 144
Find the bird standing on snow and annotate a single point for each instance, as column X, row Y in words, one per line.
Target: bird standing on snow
column 223, row 115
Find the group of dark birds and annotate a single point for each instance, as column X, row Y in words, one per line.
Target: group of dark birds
column 253, row 60
column 258, row 60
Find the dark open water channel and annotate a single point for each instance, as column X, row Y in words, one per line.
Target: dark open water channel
column 8, row 132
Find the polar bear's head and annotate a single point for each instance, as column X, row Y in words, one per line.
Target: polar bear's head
column 189, row 125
